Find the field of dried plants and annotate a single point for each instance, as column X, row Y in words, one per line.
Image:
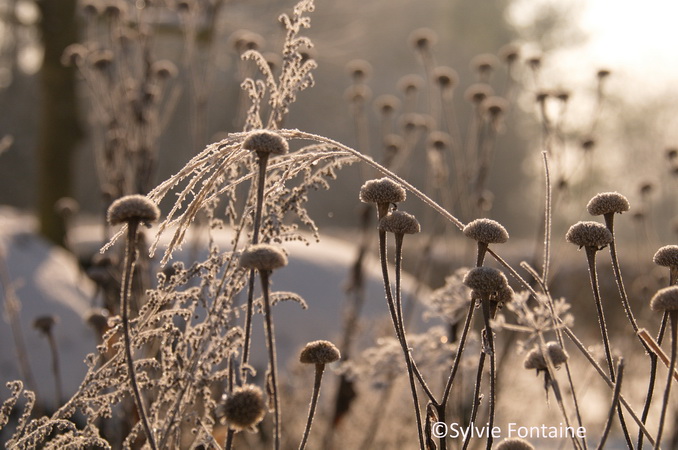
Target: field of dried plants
column 481, row 341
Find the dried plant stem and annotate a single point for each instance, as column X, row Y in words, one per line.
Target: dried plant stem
column 55, row 368
column 485, row 302
column 130, row 253
column 673, row 316
column 476, row 395
column 656, row 349
column 395, row 317
column 272, row 360
column 615, row 402
column 256, row 226
column 319, row 369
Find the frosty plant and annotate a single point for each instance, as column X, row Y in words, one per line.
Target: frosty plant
column 317, row 353
column 132, row 210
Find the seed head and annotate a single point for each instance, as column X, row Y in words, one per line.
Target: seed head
column 487, row 231
column 244, row 407
column 484, row 63
column 410, row 83
column 399, row 222
column 423, row 39
column 359, row 70
column 265, row 142
column 164, row 69
column 509, row 53
column 666, row 256
column 665, row 299
column 535, row 358
column 319, row 352
column 445, row 77
column 671, row 153
column 382, row 190
column 44, row 324
column 505, row 295
column 589, row 234
column 478, row 92
column 133, row 208
column 263, row 257
column 387, row 104
column 357, row 93
column 514, row 444
column 439, row 140
column 606, row 203
column 494, row 106
column 485, row 280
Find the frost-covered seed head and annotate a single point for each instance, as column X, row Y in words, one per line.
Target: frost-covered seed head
column 487, row 231
column 382, row 190
column 245, row 407
column 666, row 256
column 263, row 257
column 514, row 444
column 133, row 208
column 505, row 295
column 665, row 299
column 535, row 358
column 607, row 203
column 485, row 280
column 265, row 142
column 589, row 234
column 319, row 352
column 44, row 324
column 399, row 222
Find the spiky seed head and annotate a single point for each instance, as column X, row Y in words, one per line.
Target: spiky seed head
column 44, row 324
column 387, row 104
column 589, row 234
column 399, row 222
column 535, row 358
column 607, row 203
column 487, row 231
column 265, row 142
column 665, row 299
column 359, row 69
column 666, row 256
column 382, row 190
column 245, row 407
column 423, row 39
column 514, row 444
column 478, row 92
column 319, row 352
column 133, row 208
column 410, row 83
column 485, row 280
column 484, row 63
column 509, row 53
column 445, row 77
column 263, row 257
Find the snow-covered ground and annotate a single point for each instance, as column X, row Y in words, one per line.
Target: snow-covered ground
column 48, row 281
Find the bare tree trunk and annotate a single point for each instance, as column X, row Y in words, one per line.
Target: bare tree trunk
column 59, row 129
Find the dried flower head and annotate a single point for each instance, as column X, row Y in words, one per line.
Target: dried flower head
column 387, row 104
column 423, row 39
column 671, row 153
column 666, row 256
column 487, row 231
column 319, row 352
column 514, row 444
column 263, row 257
column 534, row 62
column 509, row 53
column 67, row 207
column 478, row 92
column 535, row 358
column 606, row 203
column 359, row 70
column 486, row 280
column 588, row 143
column 505, row 295
column 382, row 190
column 589, row 234
column 243, row 40
column 410, row 83
column 133, row 208
column 357, row 93
column 484, row 63
column 44, row 324
column 98, row 320
column 665, row 299
column 445, row 77
column 603, row 73
column 164, row 69
column 265, row 142
column 244, row 407
column 494, row 106
column 399, row 222
column 439, row 140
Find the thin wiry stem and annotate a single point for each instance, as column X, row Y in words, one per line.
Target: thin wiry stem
column 272, row 360
column 130, row 252
column 395, row 317
column 613, row 406
column 319, row 368
column 490, row 343
column 476, row 395
column 673, row 315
